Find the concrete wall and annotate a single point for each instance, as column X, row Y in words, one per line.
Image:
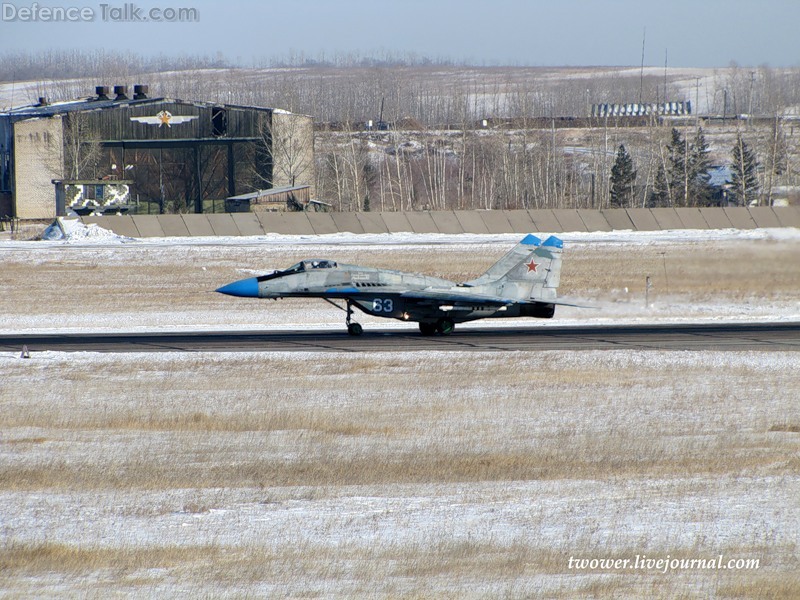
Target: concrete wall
column 38, row 159
column 497, row 221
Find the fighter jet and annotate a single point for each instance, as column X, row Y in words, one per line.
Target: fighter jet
column 521, row 284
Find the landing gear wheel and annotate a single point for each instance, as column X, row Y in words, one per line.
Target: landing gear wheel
column 445, row 326
column 427, row 328
column 353, row 328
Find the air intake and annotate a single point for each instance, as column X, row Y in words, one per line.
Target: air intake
column 121, row 92
column 140, row 92
column 102, row 92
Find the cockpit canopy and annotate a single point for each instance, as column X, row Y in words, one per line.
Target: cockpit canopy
column 301, row 267
column 310, row 265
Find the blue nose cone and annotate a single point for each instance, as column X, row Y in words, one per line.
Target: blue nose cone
column 244, row 288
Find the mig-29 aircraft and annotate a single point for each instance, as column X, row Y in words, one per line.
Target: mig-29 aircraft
column 521, row 284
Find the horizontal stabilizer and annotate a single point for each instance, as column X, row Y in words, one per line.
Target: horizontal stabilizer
column 553, row 242
column 531, row 240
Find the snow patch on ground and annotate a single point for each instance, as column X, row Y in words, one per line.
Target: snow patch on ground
column 75, row 231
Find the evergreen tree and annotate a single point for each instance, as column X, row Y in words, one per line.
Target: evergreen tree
column 659, row 194
column 698, row 175
column 676, row 169
column 744, row 178
column 688, row 174
column 623, row 177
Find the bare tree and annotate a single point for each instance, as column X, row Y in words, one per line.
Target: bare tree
column 287, row 141
column 82, row 149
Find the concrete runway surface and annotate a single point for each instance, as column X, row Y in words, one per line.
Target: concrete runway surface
column 729, row 336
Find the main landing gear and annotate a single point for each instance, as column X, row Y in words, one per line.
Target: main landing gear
column 442, row 326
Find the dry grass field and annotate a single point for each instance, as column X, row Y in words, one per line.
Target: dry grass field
column 397, row 475
column 129, row 286
column 415, row 475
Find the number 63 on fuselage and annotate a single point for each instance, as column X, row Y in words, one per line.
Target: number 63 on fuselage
column 522, row 283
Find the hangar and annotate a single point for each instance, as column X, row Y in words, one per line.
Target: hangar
column 112, row 152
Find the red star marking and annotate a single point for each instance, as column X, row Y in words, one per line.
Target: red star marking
column 532, row 266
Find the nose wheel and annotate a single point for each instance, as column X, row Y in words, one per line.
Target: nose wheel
column 353, row 328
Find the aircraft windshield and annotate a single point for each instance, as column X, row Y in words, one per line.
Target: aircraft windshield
column 298, row 268
column 320, row 264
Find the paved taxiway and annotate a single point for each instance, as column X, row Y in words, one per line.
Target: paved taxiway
column 734, row 336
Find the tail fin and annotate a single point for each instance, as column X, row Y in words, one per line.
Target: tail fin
column 530, row 270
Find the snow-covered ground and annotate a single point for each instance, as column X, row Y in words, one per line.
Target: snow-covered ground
column 75, row 232
column 457, row 475
column 385, row 474
column 79, row 245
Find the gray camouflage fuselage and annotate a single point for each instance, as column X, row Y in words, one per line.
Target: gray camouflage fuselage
column 521, row 284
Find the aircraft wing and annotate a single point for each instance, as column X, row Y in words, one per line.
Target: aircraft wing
column 438, row 297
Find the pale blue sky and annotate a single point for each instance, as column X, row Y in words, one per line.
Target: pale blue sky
column 702, row 33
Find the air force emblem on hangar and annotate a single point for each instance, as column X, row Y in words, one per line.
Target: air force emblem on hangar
column 164, row 118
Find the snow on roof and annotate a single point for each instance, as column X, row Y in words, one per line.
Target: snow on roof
column 92, row 103
column 83, row 104
column 269, row 192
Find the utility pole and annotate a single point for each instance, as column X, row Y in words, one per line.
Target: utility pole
column 641, row 73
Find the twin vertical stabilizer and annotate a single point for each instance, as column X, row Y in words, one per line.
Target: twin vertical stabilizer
column 530, row 270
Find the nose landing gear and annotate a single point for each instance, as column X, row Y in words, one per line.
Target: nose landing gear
column 353, row 328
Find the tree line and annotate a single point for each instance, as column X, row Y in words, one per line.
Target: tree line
column 683, row 178
column 347, row 88
column 657, row 166
column 436, row 154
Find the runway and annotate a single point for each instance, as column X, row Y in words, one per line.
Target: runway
column 730, row 336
